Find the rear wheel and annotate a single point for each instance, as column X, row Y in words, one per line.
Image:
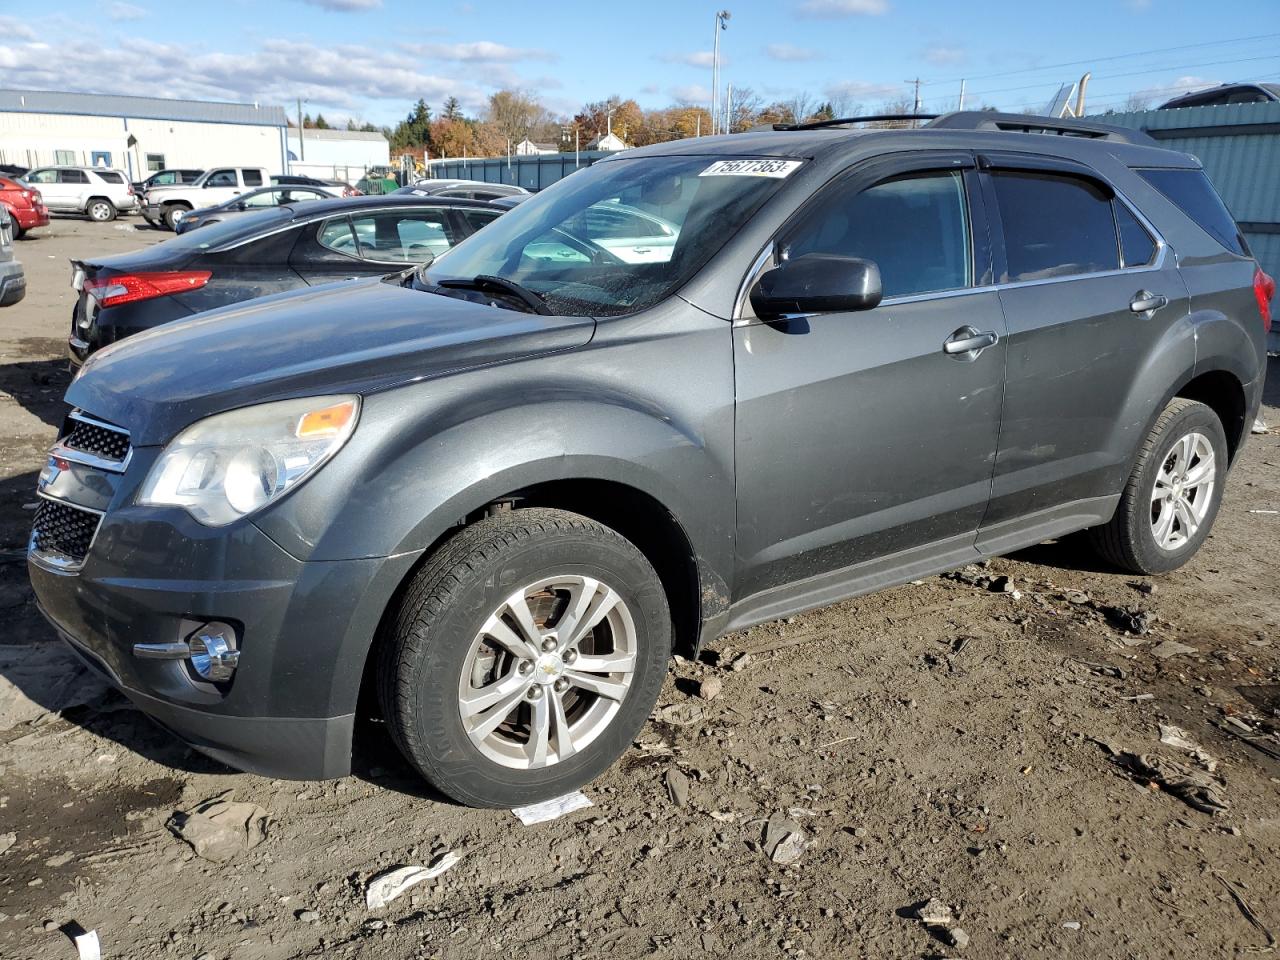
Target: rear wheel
column 101, row 210
column 524, row 657
column 18, row 231
column 1173, row 494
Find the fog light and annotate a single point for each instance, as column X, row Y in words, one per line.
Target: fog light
column 213, row 653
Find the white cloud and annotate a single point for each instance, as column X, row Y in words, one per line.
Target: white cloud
column 945, row 56
column 699, row 58
column 694, row 93
column 345, row 6
column 15, row 29
column 125, row 11
column 843, row 8
column 787, row 53
column 480, row 51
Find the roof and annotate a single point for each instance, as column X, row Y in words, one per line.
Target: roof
column 142, row 108
column 316, row 133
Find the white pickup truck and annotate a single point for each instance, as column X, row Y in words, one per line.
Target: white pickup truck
column 167, row 205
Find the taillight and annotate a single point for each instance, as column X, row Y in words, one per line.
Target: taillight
column 1264, row 288
column 132, row 287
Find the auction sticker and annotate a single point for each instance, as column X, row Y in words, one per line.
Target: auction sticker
column 752, row 168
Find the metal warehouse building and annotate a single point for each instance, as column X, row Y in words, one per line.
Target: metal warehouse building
column 137, row 134
column 345, row 154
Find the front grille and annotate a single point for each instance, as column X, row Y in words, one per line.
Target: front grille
column 97, row 439
column 61, row 531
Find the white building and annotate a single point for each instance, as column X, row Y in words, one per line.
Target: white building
column 138, row 135
column 344, row 154
column 610, row 141
column 527, row 148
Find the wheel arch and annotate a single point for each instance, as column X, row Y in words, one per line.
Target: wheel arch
column 1222, row 392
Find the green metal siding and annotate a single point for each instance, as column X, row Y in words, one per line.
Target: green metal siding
column 533, row 173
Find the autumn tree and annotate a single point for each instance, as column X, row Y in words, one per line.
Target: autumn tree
column 515, row 115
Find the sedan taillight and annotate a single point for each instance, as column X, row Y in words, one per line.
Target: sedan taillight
column 133, row 287
column 1264, row 288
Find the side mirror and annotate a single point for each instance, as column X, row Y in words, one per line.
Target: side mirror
column 242, row 205
column 817, row 283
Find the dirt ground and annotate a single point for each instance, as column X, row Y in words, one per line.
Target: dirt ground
column 961, row 738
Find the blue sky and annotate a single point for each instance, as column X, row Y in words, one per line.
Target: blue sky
column 370, row 59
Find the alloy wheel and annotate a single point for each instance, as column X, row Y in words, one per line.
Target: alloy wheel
column 1183, row 491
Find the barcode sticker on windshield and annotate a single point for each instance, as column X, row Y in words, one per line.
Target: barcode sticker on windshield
column 752, row 168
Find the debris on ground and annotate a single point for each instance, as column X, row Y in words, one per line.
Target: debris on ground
column 1177, row 737
column 710, row 688
column 1171, row 648
column 740, row 662
column 552, row 809
column 220, row 829
column 934, row 913
column 388, row 885
column 784, row 840
column 678, row 787
column 1246, row 911
column 1130, row 619
column 680, row 714
column 7, row 840
column 955, row 937
column 1259, row 427
column 88, row 947
column 1197, row 790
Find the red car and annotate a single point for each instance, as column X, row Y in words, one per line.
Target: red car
column 25, row 205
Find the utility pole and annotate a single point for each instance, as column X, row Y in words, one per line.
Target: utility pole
column 722, row 23
column 728, row 109
column 961, row 107
column 915, row 103
column 302, row 149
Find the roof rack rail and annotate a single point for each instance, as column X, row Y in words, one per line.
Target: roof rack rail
column 842, row 121
column 1020, row 123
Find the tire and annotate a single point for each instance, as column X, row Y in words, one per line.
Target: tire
column 101, row 210
column 436, row 650
column 1130, row 539
column 173, row 213
column 18, row 232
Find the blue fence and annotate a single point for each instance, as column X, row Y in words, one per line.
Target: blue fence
column 532, row 173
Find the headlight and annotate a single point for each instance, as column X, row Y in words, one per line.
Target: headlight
column 231, row 464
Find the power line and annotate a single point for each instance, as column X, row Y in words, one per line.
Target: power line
column 1119, row 56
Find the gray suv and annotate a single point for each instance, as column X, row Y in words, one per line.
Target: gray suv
column 692, row 388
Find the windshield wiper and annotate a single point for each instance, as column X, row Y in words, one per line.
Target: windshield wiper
column 486, row 281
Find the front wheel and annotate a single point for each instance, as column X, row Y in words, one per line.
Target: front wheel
column 101, row 211
column 173, row 214
column 524, row 657
column 1173, row 494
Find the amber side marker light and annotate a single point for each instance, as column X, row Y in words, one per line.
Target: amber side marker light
column 326, row 422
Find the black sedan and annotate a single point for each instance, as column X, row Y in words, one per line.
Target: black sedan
column 259, row 254
column 264, row 198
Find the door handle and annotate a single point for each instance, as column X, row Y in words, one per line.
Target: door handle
column 970, row 341
column 1144, row 301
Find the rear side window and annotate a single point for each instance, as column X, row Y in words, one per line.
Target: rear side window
column 915, row 229
column 252, row 178
column 1192, row 193
column 477, row 219
column 72, row 176
column 1055, row 226
column 1137, row 249
column 110, row 176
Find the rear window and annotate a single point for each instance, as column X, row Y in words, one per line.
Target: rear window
column 1192, row 193
column 252, row 178
column 1055, row 226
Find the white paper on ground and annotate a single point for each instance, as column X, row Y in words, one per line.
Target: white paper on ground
column 385, row 887
column 88, row 947
column 551, row 809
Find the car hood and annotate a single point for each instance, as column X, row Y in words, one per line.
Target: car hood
column 357, row 336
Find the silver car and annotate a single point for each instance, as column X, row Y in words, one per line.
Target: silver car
column 13, row 282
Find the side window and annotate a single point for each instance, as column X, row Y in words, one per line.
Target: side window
column 404, row 237
column 72, row 176
column 1137, row 249
column 1192, row 193
column 915, row 229
column 1055, row 226
column 222, row 178
column 42, row 176
column 252, row 178
column 268, row 198
column 477, row 219
column 336, row 235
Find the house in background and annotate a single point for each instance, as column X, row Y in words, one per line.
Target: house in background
column 344, row 154
column 610, row 141
column 138, row 135
column 527, row 148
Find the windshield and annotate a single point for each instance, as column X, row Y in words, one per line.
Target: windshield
column 617, row 237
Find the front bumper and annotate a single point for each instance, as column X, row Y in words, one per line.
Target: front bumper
column 305, row 631
column 13, row 283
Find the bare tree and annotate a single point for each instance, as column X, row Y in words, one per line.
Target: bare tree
column 801, row 107
column 1136, row 102
column 515, row 114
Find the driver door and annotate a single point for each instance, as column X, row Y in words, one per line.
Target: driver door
column 864, row 446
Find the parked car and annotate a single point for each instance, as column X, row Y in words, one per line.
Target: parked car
column 501, row 488
column 165, row 178
column 100, row 193
column 13, row 171
column 13, row 282
column 253, row 201
column 344, row 189
column 255, row 254
column 24, row 204
column 167, row 205
column 471, row 189
column 1224, row 94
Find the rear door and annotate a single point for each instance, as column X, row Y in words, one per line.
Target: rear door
column 1092, row 296
column 376, row 243
column 859, row 436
